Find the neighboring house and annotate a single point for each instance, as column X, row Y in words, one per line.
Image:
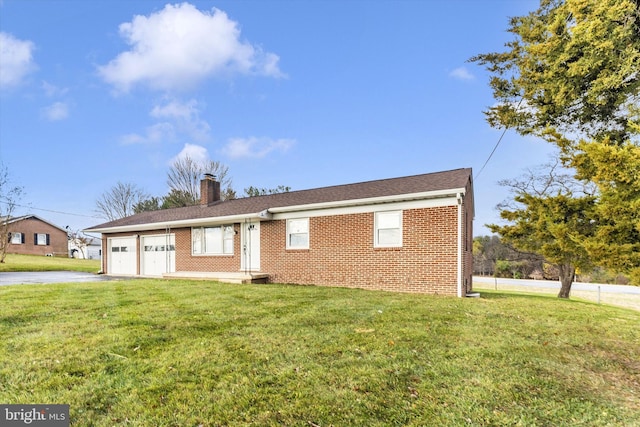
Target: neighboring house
column 85, row 248
column 409, row 234
column 32, row 235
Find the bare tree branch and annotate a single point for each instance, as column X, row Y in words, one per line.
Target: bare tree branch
column 119, row 201
column 9, row 197
column 185, row 174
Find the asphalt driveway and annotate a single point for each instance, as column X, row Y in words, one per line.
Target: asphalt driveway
column 42, row 277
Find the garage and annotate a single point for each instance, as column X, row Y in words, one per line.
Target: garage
column 122, row 256
column 158, row 255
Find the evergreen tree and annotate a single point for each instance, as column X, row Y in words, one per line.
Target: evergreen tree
column 572, row 77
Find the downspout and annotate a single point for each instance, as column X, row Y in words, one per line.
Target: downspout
column 460, row 242
column 246, row 246
column 167, row 246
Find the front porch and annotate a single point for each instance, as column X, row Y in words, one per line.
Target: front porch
column 225, row 277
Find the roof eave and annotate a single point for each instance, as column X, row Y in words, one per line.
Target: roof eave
column 262, row 215
column 425, row 195
column 28, row 216
column 268, row 213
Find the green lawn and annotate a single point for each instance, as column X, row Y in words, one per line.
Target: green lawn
column 184, row 353
column 15, row 262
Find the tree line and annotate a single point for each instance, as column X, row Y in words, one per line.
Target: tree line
column 495, row 258
column 183, row 181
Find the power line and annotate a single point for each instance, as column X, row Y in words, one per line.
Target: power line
column 6, row 202
column 497, row 143
column 491, row 155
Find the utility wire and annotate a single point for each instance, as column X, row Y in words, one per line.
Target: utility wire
column 497, row 143
column 491, row 155
column 49, row 210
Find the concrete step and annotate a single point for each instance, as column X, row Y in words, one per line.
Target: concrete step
column 220, row 276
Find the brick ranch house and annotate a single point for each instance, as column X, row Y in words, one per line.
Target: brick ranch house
column 32, row 235
column 408, row 234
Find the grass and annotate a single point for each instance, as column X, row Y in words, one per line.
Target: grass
column 184, row 353
column 14, row 262
column 612, row 298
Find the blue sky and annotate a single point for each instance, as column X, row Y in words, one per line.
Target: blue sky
column 304, row 94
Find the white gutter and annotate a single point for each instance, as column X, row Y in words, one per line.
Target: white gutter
column 370, row 200
column 460, row 242
column 267, row 214
column 262, row 215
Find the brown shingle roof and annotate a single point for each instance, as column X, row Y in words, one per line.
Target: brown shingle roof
column 453, row 179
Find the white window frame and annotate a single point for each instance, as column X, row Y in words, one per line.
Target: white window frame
column 16, row 238
column 381, row 224
column 297, row 229
column 212, row 240
column 41, row 239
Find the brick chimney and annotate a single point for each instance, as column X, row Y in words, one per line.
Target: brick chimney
column 209, row 190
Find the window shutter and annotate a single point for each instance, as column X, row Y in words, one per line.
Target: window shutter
column 35, row 238
column 48, row 240
column 22, row 237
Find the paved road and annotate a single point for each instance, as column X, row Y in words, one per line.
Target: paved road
column 42, row 277
column 577, row 286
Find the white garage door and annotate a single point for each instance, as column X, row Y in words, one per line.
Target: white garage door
column 122, row 256
column 158, row 255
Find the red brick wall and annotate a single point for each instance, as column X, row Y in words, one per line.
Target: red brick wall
column 58, row 243
column 215, row 263
column 341, row 253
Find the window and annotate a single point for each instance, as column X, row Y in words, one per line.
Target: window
column 212, row 240
column 298, row 233
column 17, row 238
column 41, row 239
column 388, row 229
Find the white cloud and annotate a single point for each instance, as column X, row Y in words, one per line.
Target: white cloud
column 179, row 46
column 175, row 118
column 461, row 73
column 53, row 90
column 16, row 57
column 56, row 111
column 176, row 109
column 153, row 134
column 255, row 147
column 186, row 116
column 196, row 152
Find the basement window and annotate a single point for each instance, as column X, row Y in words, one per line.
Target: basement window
column 388, row 229
column 298, row 233
column 212, row 240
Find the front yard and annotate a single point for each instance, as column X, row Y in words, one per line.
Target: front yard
column 14, row 262
column 183, row 353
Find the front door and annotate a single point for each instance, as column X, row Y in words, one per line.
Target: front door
column 251, row 246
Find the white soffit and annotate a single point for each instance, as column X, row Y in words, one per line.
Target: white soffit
column 179, row 224
column 402, row 201
column 347, row 210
